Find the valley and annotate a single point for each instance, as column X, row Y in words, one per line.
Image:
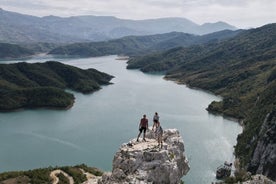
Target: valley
column 239, row 65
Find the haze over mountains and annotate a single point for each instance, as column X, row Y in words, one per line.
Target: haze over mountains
column 19, row 28
column 139, row 45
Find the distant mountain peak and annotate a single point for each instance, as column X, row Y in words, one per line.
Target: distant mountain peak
column 18, row 27
column 51, row 16
column 214, row 27
column 218, row 23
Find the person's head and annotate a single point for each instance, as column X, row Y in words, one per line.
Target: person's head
column 156, row 113
column 144, row 116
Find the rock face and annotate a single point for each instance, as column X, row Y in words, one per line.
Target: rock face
column 259, row 179
column 264, row 157
column 145, row 162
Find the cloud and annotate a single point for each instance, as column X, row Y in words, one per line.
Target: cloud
column 246, row 13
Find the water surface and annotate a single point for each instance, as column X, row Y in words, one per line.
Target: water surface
column 94, row 128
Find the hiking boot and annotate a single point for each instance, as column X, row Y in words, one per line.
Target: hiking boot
column 137, row 140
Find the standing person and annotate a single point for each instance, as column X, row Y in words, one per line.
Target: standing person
column 155, row 120
column 159, row 134
column 143, row 126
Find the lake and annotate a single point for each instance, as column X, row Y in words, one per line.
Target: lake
column 94, row 128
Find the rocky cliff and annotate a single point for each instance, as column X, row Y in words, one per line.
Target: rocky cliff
column 259, row 179
column 264, row 156
column 146, row 162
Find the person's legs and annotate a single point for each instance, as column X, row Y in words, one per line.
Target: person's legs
column 144, row 138
column 154, row 125
column 159, row 140
column 139, row 134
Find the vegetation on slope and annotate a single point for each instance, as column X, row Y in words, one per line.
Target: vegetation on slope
column 42, row 84
column 39, row 176
column 41, row 47
column 241, row 69
column 137, row 45
column 13, row 51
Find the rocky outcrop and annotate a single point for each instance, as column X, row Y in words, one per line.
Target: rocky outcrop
column 259, row 179
column 264, row 156
column 146, row 162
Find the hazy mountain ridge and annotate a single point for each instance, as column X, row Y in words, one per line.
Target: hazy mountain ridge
column 242, row 70
column 139, row 45
column 24, row 85
column 18, row 28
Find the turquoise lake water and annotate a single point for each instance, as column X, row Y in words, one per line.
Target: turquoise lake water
column 94, row 128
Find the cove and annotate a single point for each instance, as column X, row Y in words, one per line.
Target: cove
column 93, row 129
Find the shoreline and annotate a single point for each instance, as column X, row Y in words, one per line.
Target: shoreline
column 191, row 87
column 39, row 108
column 240, row 121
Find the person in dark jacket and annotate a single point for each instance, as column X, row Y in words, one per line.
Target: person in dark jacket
column 143, row 126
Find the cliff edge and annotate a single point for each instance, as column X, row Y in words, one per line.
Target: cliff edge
column 264, row 156
column 145, row 162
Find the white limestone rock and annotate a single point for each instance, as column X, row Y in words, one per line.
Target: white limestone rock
column 145, row 162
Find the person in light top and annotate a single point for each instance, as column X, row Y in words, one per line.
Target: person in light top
column 159, row 134
column 155, row 120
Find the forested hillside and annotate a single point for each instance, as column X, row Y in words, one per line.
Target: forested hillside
column 9, row 51
column 139, row 45
column 24, row 85
column 242, row 70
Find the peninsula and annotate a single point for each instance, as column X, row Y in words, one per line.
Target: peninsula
column 25, row 85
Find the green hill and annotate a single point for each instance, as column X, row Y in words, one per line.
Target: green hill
column 242, row 70
column 43, row 175
column 138, row 45
column 24, row 85
column 13, row 51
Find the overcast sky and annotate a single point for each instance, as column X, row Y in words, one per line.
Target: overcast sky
column 240, row 13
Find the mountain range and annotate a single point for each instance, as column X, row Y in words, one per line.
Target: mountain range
column 20, row 28
column 139, row 45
